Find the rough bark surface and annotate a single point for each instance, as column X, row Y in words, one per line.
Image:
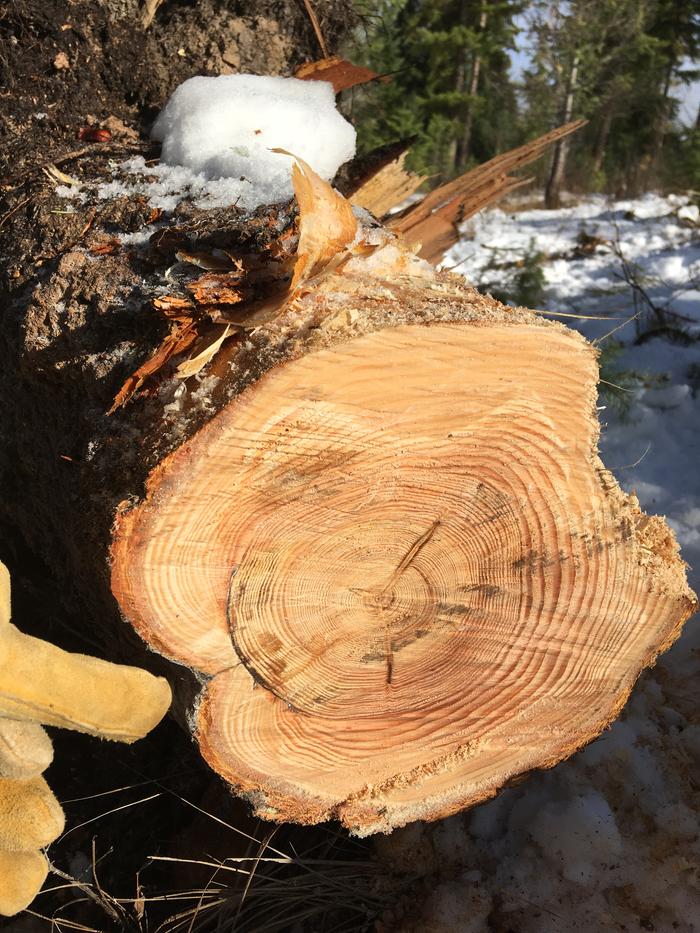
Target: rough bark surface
column 71, row 327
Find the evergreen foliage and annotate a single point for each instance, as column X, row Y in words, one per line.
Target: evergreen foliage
column 451, row 85
column 618, row 63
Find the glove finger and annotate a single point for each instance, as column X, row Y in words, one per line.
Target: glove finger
column 4, row 594
column 30, row 815
column 25, row 749
column 42, row 683
column 21, row 876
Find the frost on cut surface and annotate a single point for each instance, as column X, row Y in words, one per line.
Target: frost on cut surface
column 223, row 129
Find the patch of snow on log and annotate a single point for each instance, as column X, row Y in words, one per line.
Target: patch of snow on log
column 217, row 136
column 224, row 129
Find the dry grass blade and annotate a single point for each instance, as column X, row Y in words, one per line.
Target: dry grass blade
column 58, row 924
column 433, row 221
column 100, row 816
column 316, row 26
column 271, row 896
column 256, row 863
column 339, row 72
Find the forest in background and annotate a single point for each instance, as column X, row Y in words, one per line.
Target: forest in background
column 620, row 64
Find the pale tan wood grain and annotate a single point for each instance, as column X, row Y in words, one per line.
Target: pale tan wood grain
column 407, row 570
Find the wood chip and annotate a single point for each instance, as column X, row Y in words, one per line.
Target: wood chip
column 337, row 71
column 180, row 340
column 105, row 247
column 174, row 306
column 192, row 366
column 216, row 289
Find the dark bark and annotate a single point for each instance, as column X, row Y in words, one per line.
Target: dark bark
column 602, row 139
column 73, row 325
column 464, row 143
column 662, row 121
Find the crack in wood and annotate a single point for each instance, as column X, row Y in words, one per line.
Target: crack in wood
column 378, row 597
column 404, row 564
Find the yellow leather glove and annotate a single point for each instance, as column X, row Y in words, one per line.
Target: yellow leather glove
column 42, row 685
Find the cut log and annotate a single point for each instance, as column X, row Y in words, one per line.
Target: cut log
column 374, row 525
column 393, row 553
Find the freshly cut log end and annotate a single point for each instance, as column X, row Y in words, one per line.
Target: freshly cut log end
column 403, row 567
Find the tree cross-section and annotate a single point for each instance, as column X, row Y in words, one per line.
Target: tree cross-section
column 397, row 557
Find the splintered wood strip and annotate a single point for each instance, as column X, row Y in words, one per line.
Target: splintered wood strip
column 438, row 232
column 408, row 570
column 389, row 186
column 461, row 190
column 337, row 71
column 177, row 342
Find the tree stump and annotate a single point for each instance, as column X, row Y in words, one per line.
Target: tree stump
column 393, row 557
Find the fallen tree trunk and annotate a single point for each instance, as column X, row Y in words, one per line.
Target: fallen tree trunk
column 375, row 526
column 393, row 555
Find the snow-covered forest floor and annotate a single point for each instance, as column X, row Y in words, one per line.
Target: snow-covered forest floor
column 609, row 840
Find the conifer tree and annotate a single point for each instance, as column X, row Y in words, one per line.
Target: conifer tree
column 582, row 51
column 451, row 84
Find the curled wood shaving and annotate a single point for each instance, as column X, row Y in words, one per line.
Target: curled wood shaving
column 327, row 224
column 192, row 366
column 337, row 71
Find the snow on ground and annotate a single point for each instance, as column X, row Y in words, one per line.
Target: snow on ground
column 609, row 840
